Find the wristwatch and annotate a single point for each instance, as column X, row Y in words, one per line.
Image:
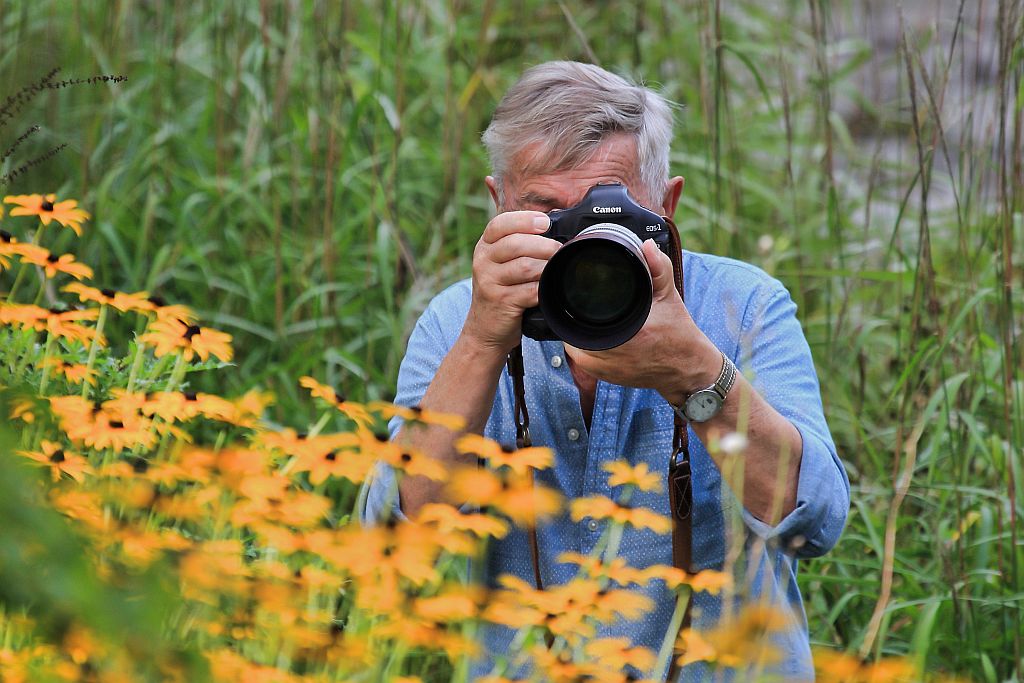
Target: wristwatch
column 701, row 406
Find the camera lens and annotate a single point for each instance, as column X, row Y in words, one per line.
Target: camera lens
column 598, row 283
column 596, row 291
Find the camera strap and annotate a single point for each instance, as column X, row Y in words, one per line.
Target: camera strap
column 680, row 487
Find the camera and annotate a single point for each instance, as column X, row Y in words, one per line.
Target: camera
column 596, row 290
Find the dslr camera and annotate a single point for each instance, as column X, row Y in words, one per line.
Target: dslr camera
column 596, row 291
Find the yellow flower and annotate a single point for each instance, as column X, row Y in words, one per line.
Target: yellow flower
column 624, row 474
column 738, row 642
column 707, row 580
column 600, row 507
column 512, row 495
column 426, row 416
column 109, row 297
column 75, row 373
column 353, row 411
column 173, row 335
column 53, row 264
column 519, row 461
column 449, row 520
column 838, row 667
column 616, row 653
column 59, row 461
column 49, row 209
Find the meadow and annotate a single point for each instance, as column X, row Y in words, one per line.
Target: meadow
column 305, row 176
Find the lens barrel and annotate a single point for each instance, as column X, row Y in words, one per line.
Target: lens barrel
column 596, row 291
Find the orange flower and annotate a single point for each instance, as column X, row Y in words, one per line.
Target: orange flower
column 617, row 570
column 333, row 455
column 707, row 580
column 738, row 642
column 48, row 208
column 75, row 373
column 624, row 474
column 449, row 520
column 837, row 667
column 64, row 324
column 519, row 461
column 408, row 460
column 164, row 310
column 512, row 495
column 109, row 297
column 173, row 335
column 616, row 653
column 354, row 411
column 455, row 423
column 53, row 264
column 9, row 246
column 59, row 461
column 600, row 507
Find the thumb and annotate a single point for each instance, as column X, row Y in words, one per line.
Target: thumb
column 662, row 276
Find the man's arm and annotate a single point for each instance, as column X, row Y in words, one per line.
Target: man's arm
column 507, row 263
column 679, row 359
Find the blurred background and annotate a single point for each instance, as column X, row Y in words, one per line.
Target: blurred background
column 307, row 175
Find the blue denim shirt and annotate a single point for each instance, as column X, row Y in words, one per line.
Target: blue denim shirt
column 751, row 318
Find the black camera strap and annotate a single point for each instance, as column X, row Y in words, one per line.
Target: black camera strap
column 680, row 487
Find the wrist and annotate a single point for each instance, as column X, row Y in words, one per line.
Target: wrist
column 474, row 348
column 694, row 371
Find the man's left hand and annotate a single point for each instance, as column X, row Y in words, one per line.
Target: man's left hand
column 669, row 354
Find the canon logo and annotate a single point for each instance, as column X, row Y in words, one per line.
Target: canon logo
column 607, row 209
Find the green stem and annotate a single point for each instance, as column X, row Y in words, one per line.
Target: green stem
column 136, row 364
column 23, row 268
column 177, row 374
column 93, row 349
column 47, row 350
column 668, row 643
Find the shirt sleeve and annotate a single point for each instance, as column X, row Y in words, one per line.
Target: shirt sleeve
column 775, row 357
column 428, row 344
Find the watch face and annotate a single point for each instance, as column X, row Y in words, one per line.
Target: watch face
column 703, row 405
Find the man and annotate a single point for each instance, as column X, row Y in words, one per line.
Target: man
column 563, row 128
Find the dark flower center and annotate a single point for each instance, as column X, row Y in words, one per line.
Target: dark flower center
column 57, row 456
column 406, row 457
column 331, row 457
column 140, row 466
column 340, row 398
column 505, row 448
column 157, row 301
column 116, row 424
column 189, row 395
column 190, row 332
column 46, row 205
column 109, row 293
column 6, row 236
column 52, row 258
column 381, row 436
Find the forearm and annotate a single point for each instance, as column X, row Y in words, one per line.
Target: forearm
column 464, row 385
column 765, row 475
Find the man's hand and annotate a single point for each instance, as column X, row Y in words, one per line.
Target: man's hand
column 669, row 354
column 507, row 263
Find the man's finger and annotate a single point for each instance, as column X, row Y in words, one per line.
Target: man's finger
column 515, row 221
column 517, row 245
column 662, row 277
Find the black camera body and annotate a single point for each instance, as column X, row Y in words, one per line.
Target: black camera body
column 592, row 291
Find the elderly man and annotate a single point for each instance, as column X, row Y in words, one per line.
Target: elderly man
column 563, row 128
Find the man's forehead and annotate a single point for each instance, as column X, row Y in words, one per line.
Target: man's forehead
column 537, row 179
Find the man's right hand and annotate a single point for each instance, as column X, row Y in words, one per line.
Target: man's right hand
column 507, row 263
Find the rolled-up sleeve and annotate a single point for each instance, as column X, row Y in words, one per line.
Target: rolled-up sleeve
column 777, row 359
column 378, row 498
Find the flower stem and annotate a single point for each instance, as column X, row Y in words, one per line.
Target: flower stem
column 93, row 348
column 136, row 364
column 23, row 268
column 47, row 350
column 668, row 643
column 177, row 374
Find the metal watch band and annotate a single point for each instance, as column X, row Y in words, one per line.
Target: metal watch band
column 726, row 378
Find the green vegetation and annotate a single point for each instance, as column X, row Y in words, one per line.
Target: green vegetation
column 307, row 176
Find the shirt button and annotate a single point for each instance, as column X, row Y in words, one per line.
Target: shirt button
column 593, row 525
column 556, row 361
column 573, row 434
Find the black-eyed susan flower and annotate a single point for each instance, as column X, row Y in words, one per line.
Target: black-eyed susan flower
column 164, row 311
column 838, row 667
column 354, row 411
column 49, row 209
column 415, row 414
column 377, row 446
column 600, row 507
column 739, row 642
column 618, row 653
column 175, row 336
column 594, row 567
column 639, row 476
column 512, row 495
column 519, row 461
column 53, row 264
column 122, row 301
column 67, row 325
column 707, row 580
column 333, row 455
column 448, row 520
column 74, row 373
column 59, row 461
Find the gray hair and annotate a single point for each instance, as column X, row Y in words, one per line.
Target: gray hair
column 570, row 108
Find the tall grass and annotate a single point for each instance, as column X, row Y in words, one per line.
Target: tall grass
column 307, row 175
